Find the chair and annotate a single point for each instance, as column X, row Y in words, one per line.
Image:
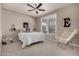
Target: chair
column 66, row 38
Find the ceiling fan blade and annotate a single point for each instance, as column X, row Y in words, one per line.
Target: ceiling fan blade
column 31, row 10
column 36, row 12
column 39, row 5
column 31, row 6
column 41, row 9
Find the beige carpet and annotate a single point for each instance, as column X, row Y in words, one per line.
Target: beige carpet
column 47, row 48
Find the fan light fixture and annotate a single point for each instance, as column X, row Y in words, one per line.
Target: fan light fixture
column 36, row 7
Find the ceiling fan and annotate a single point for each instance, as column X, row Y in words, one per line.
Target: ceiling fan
column 36, row 7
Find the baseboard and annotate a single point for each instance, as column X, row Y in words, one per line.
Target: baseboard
column 75, row 45
column 55, row 40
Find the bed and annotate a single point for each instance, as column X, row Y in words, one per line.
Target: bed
column 28, row 38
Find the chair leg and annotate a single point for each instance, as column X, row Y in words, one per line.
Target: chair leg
column 59, row 44
column 71, row 46
column 66, row 45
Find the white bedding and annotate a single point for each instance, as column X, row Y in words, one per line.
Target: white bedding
column 30, row 37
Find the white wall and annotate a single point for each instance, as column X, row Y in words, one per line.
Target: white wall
column 10, row 17
column 0, row 29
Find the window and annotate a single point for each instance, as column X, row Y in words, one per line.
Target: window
column 48, row 24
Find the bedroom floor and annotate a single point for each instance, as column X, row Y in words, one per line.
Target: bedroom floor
column 47, row 48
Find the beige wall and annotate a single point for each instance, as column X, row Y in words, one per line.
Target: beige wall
column 71, row 11
column 10, row 17
column 38, row 23
column 0, row 28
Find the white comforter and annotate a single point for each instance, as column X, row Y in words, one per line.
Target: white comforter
column 31, row 37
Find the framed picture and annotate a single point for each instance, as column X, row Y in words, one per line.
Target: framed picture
column 67, row 22
column 25, row 24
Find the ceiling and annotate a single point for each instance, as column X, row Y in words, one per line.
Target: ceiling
column 23, row 8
